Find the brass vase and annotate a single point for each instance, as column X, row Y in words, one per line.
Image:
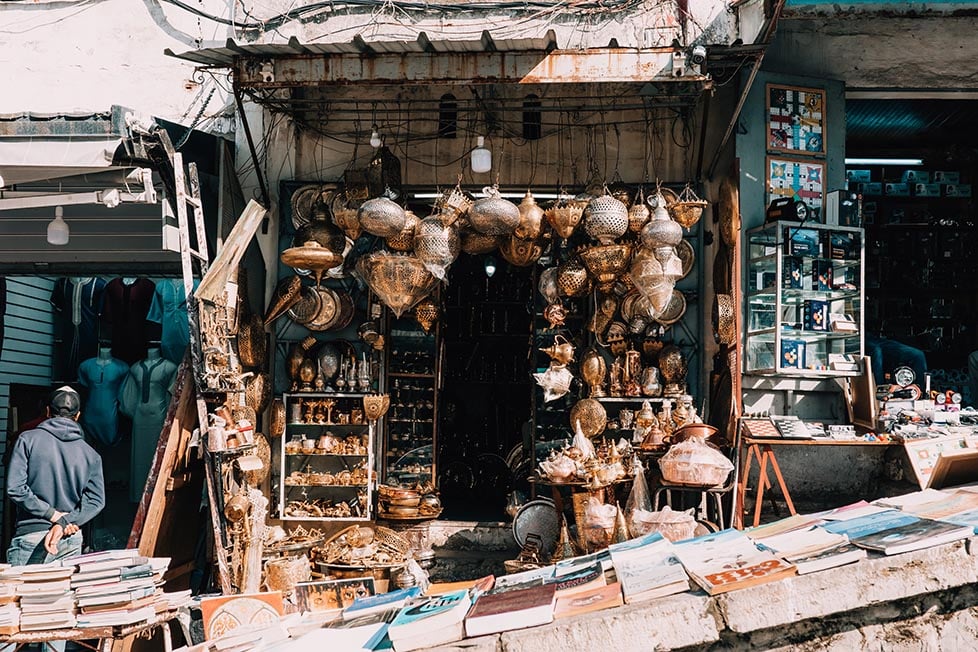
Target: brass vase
column 673, row 366
column 593, row 371
column 531, row 218
column 298, row 353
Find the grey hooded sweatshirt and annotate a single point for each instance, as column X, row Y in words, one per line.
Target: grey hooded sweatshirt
column 53, row 468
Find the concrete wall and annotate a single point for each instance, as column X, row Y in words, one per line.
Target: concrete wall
column 70, row 57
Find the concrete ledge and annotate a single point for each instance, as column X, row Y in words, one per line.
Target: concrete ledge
column 873, row 581
column 926, row 599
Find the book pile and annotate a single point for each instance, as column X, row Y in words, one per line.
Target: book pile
column 812, row 548
column 729, row 560
column 46, row 601
column 117, row 587
column 9, row 604
column 647, row 567
column 893, row 532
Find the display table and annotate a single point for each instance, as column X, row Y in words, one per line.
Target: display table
column 579, row 493
column 105, row 636
column 762, row 450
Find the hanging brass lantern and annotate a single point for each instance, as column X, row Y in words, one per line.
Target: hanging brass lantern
column 400, row 281
column 572, row 278
column 382, row 217
column 436, row 245
column 531, row 218
column 661, row 230
column 404, row 241
column 607, row 262
column 493, row 215
column 520, row 252
column 427, row 312
column 638, row 214
column 565, row 216
column 605, row 218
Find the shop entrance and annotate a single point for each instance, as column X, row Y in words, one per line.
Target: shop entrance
column 914, row 162
column 487, row 392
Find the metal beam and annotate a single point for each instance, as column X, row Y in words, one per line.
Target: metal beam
column 556, row 67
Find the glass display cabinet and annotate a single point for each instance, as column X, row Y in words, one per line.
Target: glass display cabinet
column 805, row 286
column 326, row 458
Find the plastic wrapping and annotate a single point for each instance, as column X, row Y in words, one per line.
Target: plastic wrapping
column 599, row 523
column 696, row 463
column 673, row 525
column 639, row 499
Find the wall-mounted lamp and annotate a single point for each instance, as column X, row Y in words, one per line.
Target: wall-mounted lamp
column 490, row 266
column 58, row 231
column 481, row 156
column 375, row 140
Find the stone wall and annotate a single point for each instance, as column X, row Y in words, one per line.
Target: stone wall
column 924, row 600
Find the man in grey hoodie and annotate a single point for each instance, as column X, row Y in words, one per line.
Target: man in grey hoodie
column 55, row 480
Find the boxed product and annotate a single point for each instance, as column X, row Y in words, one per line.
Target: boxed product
column 873, row 189
column 858, row 176
column 815, row 315
column 927, row 189
column 842, row 245
column 896, row 189
column 793, row 354
column 946, row 176
column 957, row 190
column 822, row 275
column 915, row 176
column 802, row 242
column 792, row 273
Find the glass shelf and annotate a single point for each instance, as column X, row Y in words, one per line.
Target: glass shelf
column 796, row 290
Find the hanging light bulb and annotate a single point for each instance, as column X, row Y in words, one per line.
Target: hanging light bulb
column 481, row 156
column 58, row 231
column 490, row 265
column 375, row 139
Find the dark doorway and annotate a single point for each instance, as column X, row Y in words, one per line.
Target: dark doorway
column 486, row 399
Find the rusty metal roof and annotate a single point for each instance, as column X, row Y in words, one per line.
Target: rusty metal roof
column 224, row 57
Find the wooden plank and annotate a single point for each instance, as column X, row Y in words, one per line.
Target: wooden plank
column 225, row 264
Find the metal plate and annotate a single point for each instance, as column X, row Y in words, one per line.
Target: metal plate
column 686, row 254
column 674, row 310
column 307, row 307
column 303, row 201
column 538, row 517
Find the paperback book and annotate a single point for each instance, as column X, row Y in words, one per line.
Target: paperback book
column 596, row 599
column 500, row 612
column 647, row 567
column 728, row 560
column 430, row 621
column 922, row 533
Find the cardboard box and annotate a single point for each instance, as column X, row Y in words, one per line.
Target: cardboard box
column 793, row 354
column 858, row 176
column 792, row 273
column 912, row 177
column 802, row 242
column 957, row 190
column 815, row 315
column 842, row 208
column 822, row 275
column 946, row 176
column 874, row 189
column 896, row 189
column 927, row 190
column 842, row 245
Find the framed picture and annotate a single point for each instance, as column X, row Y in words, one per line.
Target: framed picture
column 328, row 595
column 796, row 120
column 798, row 180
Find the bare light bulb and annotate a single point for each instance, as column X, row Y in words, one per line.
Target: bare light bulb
column 490, row 266
column 58, row 231
column 375, row 140
column 481, row 157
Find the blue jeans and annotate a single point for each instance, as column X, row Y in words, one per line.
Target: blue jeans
column 29, row 549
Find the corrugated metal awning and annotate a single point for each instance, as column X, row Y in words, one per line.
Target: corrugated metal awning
column 25, row 160
column 423, row 60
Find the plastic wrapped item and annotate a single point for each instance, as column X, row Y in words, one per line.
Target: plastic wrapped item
column 582, row 443
column 599, row 523
column 639, row 499
column 693, row 462
column 673, row 525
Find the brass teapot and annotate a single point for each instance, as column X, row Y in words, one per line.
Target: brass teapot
column 561, row 351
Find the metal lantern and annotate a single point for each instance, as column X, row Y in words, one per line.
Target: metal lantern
column 638, row 214
column 520, row 252
column 607, row 262
column 382, row 217
column 404, row 241
column 436, row 245
column 572, row 278
column 427, row 312
column 605, row 218
column 475, row 243
column 531, row 218
column 652, row 279
column 661, row 230
column 493, row 215
column 400, row 281
column 565, row 216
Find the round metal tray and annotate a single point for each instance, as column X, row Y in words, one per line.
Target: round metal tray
column 538, row 517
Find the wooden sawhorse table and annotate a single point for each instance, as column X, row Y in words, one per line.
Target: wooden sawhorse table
column 106, row 637
column 763, row 451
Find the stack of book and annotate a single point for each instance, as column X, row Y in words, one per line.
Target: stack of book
column 812, row 548
column 9, row 603
column 116, row 587
column 647, row 567
column 46, row 600
column 728, row 560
